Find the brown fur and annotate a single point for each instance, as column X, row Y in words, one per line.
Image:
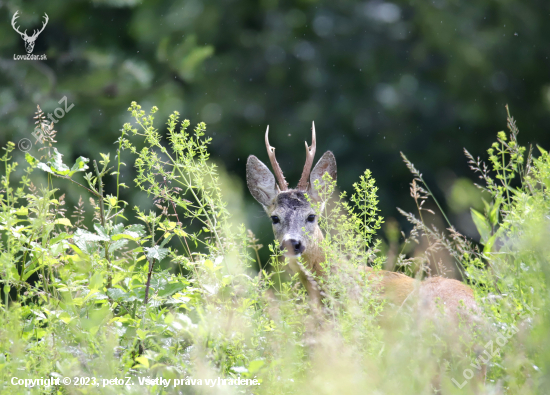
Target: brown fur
column 453, row 297
column 450, row 294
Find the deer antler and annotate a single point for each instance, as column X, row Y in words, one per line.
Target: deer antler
column 310, row 154
column 283, row 185
column 43, row 26
column 15, row 16
column 35, row 34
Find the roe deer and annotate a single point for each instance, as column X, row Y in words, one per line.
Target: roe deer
column 298, row 233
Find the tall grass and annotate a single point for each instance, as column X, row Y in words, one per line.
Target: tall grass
column 175, row 296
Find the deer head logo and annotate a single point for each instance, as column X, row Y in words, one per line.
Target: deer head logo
column 29, row 40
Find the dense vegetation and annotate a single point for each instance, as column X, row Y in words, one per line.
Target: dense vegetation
column 174, row 294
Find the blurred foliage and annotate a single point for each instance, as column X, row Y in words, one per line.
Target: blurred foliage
column 464, row 194
column 425, row 78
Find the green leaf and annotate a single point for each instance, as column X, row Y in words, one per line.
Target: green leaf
column 29, row 273
column 45, row 167
column 166, row 240
column 101, row 231
column 30, row 268
column 31, row 160
column 489, row 244
column 170, row 289
column 59, row 237
column 63, row 221
column 254, row 366
column 65, row 317
column 117, row 245
column 87, row 241
column 493, row 213
column 56, row 166
column 156, row 253
column 482, row 225
column 79, row 165
column 127, row 235
column 119, row 277
column 22, row 211
column 138, row 228
column 142, row 360
column 78, row 251
column 116, row 293
column 96, row 282
column 209, row 264
column 90, row 294
column 142, row 335
column 169, row 318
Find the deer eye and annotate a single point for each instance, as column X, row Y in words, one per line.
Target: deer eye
column 275, row 219
column 311, row 218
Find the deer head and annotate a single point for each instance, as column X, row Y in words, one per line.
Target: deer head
column 29, row 41
column 293, row 218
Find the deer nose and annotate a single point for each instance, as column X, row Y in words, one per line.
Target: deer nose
column 294, row 246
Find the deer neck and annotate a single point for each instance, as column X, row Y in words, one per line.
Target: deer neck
column 315, row 254
column 311, row 269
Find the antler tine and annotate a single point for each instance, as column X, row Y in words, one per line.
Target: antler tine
column 13, row 21
column 36, row 33
column 310, row 154
column 283, row 185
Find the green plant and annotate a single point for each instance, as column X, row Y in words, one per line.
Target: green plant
column 175, row 296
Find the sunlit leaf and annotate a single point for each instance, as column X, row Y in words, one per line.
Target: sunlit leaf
column 63, row 221
column 170, row 289
column 156, row 252
column 482, row 225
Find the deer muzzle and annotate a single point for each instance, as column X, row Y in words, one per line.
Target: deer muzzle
column 292, row 247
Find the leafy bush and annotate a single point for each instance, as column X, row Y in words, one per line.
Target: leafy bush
column 176, row 296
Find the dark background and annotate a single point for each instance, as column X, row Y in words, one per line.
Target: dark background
column 423, row 77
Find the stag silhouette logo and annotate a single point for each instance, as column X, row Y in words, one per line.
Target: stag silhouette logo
column 29, row 40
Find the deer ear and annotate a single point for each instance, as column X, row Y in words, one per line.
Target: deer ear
column 261, row 181
column 327, row 164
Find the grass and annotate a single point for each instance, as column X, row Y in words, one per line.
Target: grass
column 172, row 293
